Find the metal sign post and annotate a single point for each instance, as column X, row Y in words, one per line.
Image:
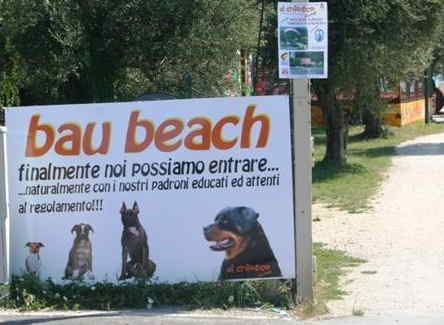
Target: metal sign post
column 302, row 180
column 4, row 229
column 302, row 153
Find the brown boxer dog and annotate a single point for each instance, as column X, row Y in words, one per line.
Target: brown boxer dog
column 80, row 255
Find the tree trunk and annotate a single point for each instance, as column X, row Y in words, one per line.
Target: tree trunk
column 373, row 124
column 336, row 126
column 336, row 135
column 372, row 107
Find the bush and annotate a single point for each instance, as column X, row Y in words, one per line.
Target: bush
column 28, row 293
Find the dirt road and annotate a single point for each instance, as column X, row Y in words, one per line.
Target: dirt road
column 402, row 238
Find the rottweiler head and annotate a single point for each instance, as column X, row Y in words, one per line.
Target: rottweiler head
column 130, row 217
column 231, row 230
column 82, row 230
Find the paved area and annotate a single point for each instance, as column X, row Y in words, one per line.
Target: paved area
column 168, row 318
column 156, row 316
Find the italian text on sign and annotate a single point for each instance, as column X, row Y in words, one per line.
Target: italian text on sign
column 181, row 190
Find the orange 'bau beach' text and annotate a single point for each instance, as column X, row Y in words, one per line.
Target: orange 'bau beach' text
column 198, row 133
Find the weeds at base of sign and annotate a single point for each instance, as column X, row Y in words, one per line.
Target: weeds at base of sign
column 28, row 293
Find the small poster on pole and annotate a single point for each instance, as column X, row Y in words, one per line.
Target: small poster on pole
column 303, row 40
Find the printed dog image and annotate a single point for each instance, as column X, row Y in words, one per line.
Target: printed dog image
column 248, row 254
column 33, row 263
column 134, row 246
column 80, row 255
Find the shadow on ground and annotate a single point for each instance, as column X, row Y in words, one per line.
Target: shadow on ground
column 43, row 320
column 373, row 152
column 320, row 137
column 89, row 318
column 421, row 149
column 324, row 171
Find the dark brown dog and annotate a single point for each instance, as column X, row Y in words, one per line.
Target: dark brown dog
column 80, row 256
column 135, row 246
column 248, row 254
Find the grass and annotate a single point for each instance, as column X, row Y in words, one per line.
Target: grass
column 367, row 163
column 358, row 312
column 331, row 266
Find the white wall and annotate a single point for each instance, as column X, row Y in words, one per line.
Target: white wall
column 4, row 220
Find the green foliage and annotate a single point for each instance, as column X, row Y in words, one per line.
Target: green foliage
column 10, row 75
column 28, row 293
column 86, row 51
column 381, row 38
column 370, row 41
column 374, row 40
column 266, row 58
column 10, row 72
column 211, row 49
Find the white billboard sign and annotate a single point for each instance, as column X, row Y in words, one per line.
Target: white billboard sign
column 180, row 190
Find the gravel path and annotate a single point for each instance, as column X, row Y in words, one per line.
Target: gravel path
column 402, row 238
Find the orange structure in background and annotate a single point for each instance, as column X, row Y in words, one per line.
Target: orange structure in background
column 406, row 105
column 404, row 113
column 406, row 102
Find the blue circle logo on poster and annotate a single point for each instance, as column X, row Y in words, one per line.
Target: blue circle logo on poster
column 319, row 35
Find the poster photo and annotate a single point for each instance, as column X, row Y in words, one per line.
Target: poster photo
column 176, row 190
column 303, row 40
